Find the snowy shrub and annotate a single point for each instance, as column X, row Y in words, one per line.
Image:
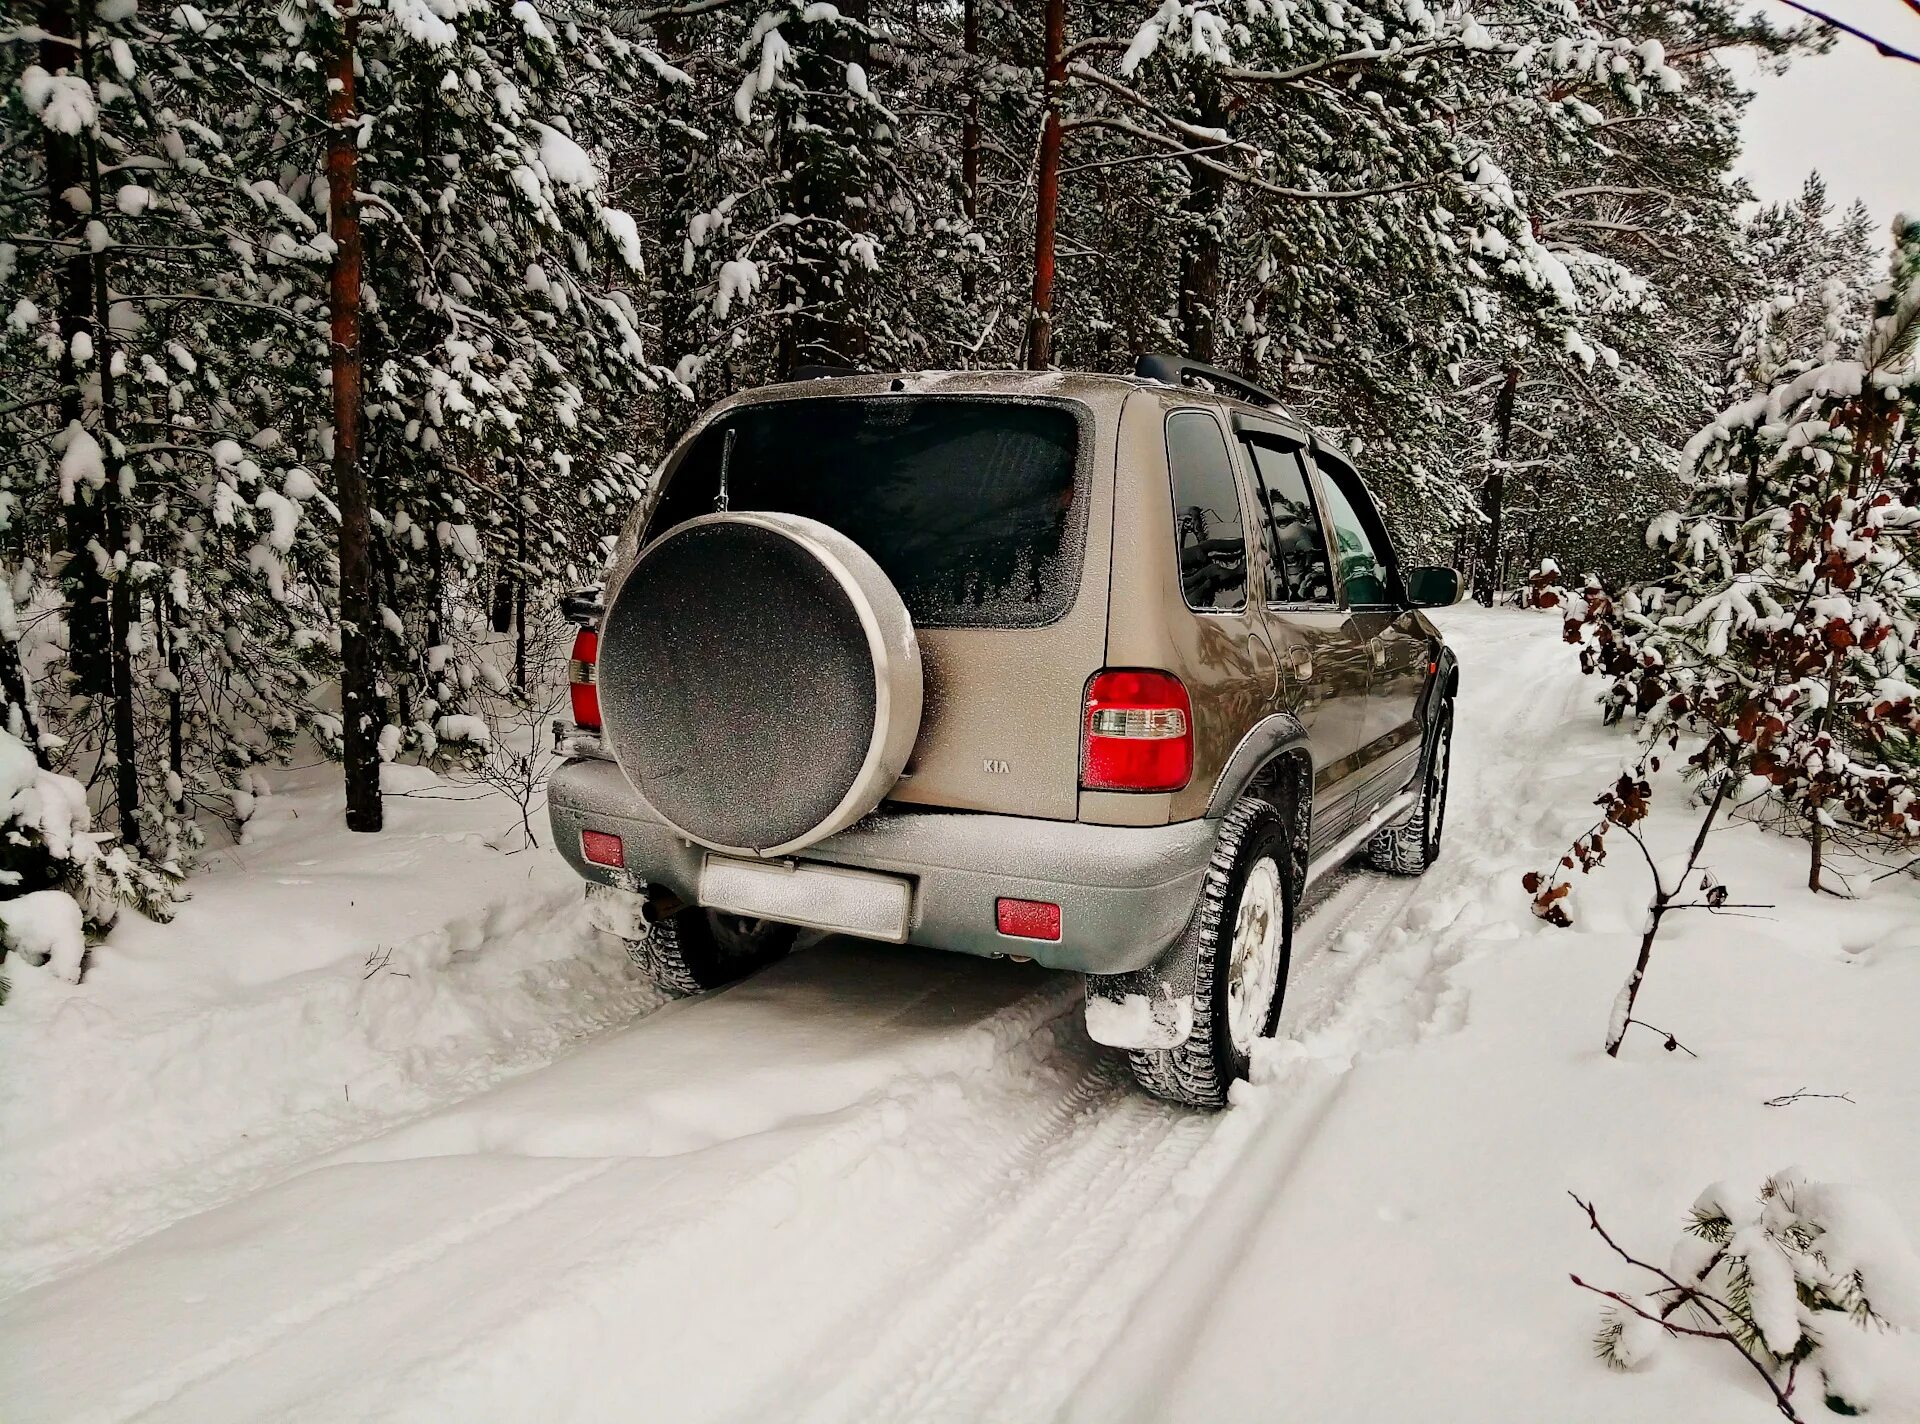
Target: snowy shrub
column 1795, row 1279
column 59, row 879
column 167, row 490
column 1783, row 640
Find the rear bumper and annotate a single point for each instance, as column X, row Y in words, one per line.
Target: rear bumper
column 1124, row 892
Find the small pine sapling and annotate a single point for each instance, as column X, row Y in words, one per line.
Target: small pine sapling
column 1793, row 1280
column 1785, row 630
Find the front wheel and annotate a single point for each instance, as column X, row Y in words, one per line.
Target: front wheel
column 1411, row 844
column 1242, row 938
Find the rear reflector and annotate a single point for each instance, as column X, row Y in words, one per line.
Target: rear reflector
column 1028, row 919
column 582, row 679
column 1138, row 732
column 603, row 848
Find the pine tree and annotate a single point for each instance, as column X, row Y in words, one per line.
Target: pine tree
column 1783, row 637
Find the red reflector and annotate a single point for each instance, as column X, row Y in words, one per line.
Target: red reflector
column 583, row 678
column 603, row 848
column 1138, row 732
column 1028, row 919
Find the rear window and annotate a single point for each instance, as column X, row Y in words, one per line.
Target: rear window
column 971, row 507
column 1206, row 513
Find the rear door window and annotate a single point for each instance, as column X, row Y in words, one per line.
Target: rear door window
column 973, row 508
column 1296, row 543
column 1206, row 511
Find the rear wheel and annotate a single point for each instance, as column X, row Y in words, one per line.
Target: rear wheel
column 1242, row 937
column 694, row 950
column 1410, row 845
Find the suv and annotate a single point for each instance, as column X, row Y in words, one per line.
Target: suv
column 1093, row 670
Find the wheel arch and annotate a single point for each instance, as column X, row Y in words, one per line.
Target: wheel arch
column 1275, row 751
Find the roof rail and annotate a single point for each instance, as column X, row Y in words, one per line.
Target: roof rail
column 1179, row 371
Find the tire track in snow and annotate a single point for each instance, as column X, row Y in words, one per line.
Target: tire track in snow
column 962, row 1345
column 1374, row 974
column 262, row 1333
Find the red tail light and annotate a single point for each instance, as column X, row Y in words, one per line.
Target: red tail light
column 584, row 684
column 1138, row 732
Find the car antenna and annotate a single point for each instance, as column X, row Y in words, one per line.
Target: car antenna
column 726, row 466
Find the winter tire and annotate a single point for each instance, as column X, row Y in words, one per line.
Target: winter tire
column 695, row 950
column 1241, row 937
column 1411, row 844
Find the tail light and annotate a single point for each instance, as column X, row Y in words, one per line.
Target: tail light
column 1138, row 732
column 583, row 683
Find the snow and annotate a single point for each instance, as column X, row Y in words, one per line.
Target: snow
column 81, row 463
column 420, row 23
column 530, row 20
column 43, row 927
column 625, row 233
column 459, row 727
column 64, row 102
column 383, row 1128
column 565, row 161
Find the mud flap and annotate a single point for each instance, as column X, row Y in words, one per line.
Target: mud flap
column 620, row 913
column 1147, row 1008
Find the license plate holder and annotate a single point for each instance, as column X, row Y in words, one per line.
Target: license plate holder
column 836, row 898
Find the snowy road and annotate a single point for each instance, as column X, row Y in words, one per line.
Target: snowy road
column 869, row 1184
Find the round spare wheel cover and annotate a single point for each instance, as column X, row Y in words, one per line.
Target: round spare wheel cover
column 760, row 681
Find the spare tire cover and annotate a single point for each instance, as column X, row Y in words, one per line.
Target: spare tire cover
column 760, row 681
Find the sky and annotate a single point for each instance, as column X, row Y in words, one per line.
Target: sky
column 1850, row 113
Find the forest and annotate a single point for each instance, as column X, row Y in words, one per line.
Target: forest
column 339, row 339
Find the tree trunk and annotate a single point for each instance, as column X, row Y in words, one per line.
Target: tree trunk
column 970, row 140
column 678, row 203
column 520, row 577
column 1494, row 492
column 165, row 620
column 359, row 702
column 1199, row 298
column 86, row 589
column 1047, row 203
column 13, row 683
column 829, row 161
column 113, row 595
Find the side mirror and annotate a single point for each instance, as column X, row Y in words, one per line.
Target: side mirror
column 1430, row 586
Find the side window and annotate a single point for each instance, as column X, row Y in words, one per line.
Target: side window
column 1296, row 544
column 1362, row 569
column 1206, row 513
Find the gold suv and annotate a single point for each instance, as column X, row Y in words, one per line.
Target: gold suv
column 1098, row 671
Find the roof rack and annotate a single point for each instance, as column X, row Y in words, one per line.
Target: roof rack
column 1179, row 371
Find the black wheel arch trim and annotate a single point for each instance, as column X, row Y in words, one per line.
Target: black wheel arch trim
column 1441, row 689
column 1272, row 737
column 1442, row 684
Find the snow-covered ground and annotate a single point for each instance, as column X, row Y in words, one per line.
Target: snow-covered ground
column 379, row 1128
